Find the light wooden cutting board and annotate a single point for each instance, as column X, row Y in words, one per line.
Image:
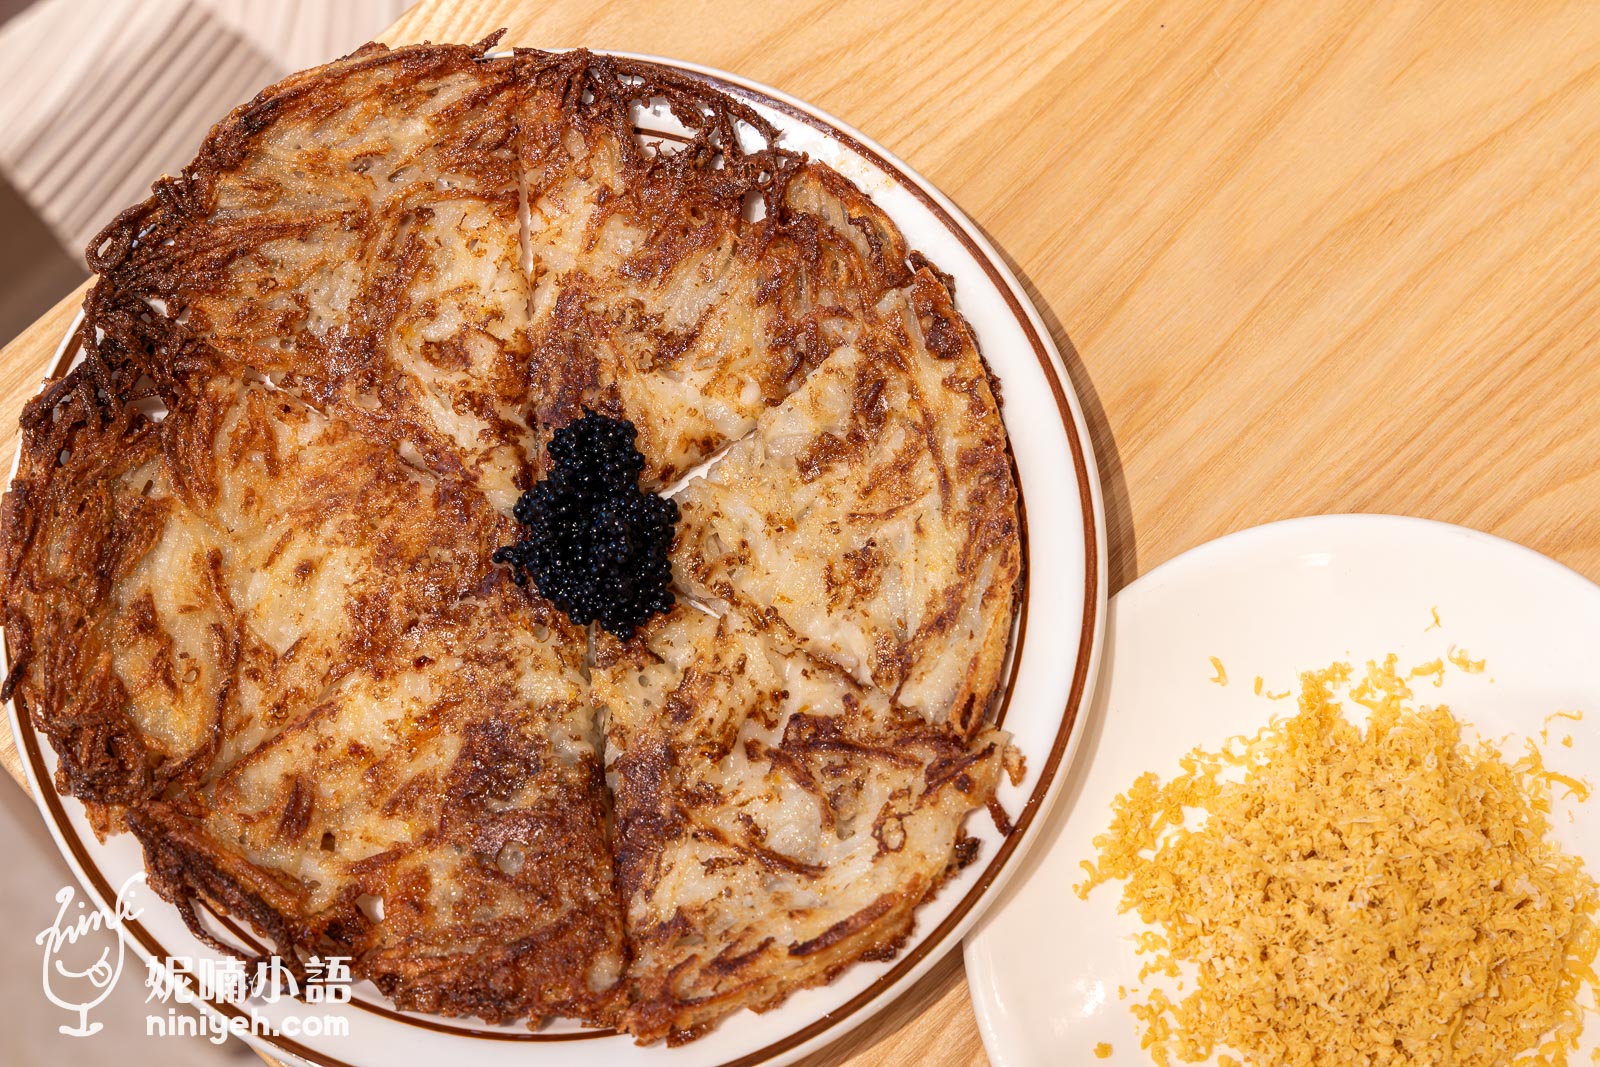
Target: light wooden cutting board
column 1300, row 257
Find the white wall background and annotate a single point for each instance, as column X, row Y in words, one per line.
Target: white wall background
column 100, row 97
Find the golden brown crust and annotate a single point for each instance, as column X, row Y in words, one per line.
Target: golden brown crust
column 263, row 634
column 993, row 524
column 264, row 631
column 656, row 296
column 775, row 822
column 873, row 514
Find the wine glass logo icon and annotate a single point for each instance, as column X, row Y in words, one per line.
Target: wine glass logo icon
column 75, row 977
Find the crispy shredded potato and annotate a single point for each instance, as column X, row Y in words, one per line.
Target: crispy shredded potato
column 1380, row 896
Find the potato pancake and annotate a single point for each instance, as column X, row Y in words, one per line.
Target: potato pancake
column 249, row 592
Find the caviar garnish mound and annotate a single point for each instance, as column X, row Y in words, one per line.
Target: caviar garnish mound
column 594, row 543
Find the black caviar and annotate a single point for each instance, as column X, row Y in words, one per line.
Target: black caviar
column 593, row 542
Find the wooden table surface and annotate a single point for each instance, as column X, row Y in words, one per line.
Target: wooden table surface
column 1299, row 258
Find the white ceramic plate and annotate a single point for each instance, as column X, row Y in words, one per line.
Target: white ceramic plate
column 1053, row 664
column 1044, row 966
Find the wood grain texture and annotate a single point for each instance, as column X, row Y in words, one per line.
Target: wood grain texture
column 1300, row 258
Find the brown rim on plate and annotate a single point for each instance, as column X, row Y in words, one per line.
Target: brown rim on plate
column 926, row 943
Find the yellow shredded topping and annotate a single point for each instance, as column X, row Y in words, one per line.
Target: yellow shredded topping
column 1261, row 691
column 1222, row 672
column 1435, row 624
column 1382, row 896
column 1102, row 1051
column 1573, row 716
column 1432, row 669
column 1461, row 659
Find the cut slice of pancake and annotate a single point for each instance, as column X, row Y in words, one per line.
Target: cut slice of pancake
column 310, row 546
column 353, row 233
column 439, row 817
column 656, row 297
column 278, row 653
column 775, row 821
column 872, row 514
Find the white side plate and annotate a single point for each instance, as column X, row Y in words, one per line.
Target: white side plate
column 1044, row 966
